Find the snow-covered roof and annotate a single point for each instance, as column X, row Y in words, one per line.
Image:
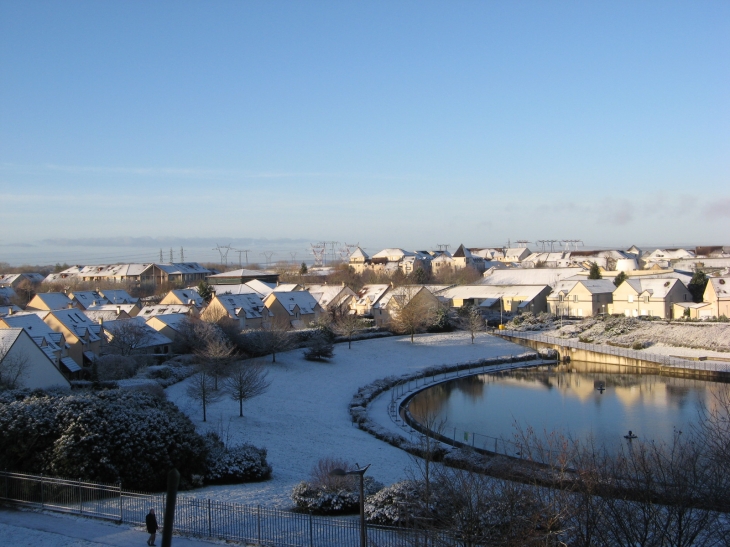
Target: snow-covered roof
column 464, row 292
column 359, row 254
column 164, row 309
column 53, row 300
column 72, row 272
column 370, row 294
column 328, row 294
column 721, row 286
column 598, row 286
column 172, row 320
column 118, row 296
column 36, row 328
column 657, row 288
column 529, row 276
column 6, row 293
column 393, row 254
column 183, row 268
column 241, row 288
column 78, row 323
column 149, row 337
column 9, row 310
column 292, row 299
column 248, row 304
column 187, row 295
column 88, row 298
column 8, row 338
column 242, row 273
column 126, row 308
column 261, row 287
column 462, row 252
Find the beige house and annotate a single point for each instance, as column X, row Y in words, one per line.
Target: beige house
column 83, row 300
column 52, row 343
column 135, row 336
column 16, row 280
column 118, row 296
column 247, row 309
column 649, row 297
column 583, row 298
column 717, row 294
column 120, row 311
column 359, row 260
column 368, row 298
column 402, row 297
column 491, row 299
column 692, row 310
column 49, row 301
column 168, row 325
column 297, row 309
column 82, row 335
column 186, row 297
column 19, row 353
column 333, row 298
column 165, row 309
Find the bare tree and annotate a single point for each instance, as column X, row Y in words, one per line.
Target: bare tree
column 348, row 325
column 201, row 388
column 272, row 340
column 128, row 336
column 245, row 381
column 216, row 357
column 415, row 313
column 13, row 368
column 473, row 321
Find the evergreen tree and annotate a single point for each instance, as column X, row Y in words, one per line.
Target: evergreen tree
column 595, row 272
column 205, row 291
column 620, row 278
column 697, row 285
column 303, row 269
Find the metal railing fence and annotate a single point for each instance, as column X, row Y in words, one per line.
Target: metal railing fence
column 254, row 525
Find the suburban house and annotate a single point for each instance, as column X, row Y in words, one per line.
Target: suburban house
column 649, row 297
column 10, row 309
column 297, row 308
column 717, row 294
column 16, row 280
column 389, row 261
column 169, row 325
column 581, row 298
column 187, row 297
column 368, row 298
column 692, row 310
column 402, row 297
column 560, row 259
column 20, row 355
column 262, row 288
column 82, row 335
column 135, row 337
column 49, row 301
column 83, row 300
column 509, row 299
column 247, row 309
column 359, row 260
column 52, row 343
column 239, row 277
column 514, row 254
column 333, row 298
column 182, row 273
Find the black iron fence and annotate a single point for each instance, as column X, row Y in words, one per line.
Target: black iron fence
column 255, row 525
column 666, row 360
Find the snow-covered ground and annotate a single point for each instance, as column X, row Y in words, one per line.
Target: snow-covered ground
column 304, row 415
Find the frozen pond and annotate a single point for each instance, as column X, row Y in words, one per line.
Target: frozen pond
column 577, row 400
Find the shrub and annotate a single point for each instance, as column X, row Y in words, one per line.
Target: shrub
column 395, row 505
column 116, row 367
column 241, row 463
column 319, row 348
column 637, row 345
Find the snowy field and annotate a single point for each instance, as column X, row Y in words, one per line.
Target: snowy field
column 303, row 417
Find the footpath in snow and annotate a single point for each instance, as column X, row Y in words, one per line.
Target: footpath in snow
column 304, row 416
column 41, row 529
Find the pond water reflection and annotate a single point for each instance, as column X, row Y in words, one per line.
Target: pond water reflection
column 576, row 400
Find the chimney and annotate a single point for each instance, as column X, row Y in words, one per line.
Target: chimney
column 70, row 305
column 119, row 310
column 10, row 310
column 101, row 320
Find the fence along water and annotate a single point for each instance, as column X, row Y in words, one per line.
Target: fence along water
column 205, row 517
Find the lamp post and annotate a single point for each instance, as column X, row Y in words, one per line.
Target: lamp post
column 361, row 472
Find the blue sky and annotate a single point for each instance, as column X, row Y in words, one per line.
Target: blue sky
column 386, row 123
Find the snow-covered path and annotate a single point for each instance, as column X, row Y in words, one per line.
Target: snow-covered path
column 304, row 418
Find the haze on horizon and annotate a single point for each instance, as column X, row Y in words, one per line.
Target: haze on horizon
column 390, row 124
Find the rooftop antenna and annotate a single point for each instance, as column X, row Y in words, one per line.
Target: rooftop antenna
column 223, row 250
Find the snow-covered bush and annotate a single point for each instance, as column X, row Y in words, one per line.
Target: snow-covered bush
column 395, row 505
column 229, row 465
column 116, row 367
column 170, row 373
column 320, row 500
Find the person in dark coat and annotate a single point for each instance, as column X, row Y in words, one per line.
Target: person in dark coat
column 151, row 522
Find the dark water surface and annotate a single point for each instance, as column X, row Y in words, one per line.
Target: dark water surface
column 566, row 399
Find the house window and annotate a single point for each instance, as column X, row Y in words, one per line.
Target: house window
column 631, row 298
column 560, row 298
column 646, row 298
column 575, row 298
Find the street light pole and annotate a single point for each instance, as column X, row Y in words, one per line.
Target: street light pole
column 361, row 472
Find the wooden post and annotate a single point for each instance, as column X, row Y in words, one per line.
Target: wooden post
column 173, row 481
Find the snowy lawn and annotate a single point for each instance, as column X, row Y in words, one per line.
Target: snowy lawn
column 304, row 417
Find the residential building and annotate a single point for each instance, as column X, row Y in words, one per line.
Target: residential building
column 188, row 297
column 529, row 276
column 637, row 297
column 134, row 337
column 239, row 277
column 170, row 325
column 166, row 309
column 581, row 298
column 120, row 311
column 82, row 335
column 16, row 280
column 86, row 299
column 335, row 299
column 18, row 350
column 49, row 301
column 247, row 309
column 402, row 297
column 717, row 294
column 296, row 309
column 368, row 299
column 508, row 299
column 118, row 296
column 359, row 261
